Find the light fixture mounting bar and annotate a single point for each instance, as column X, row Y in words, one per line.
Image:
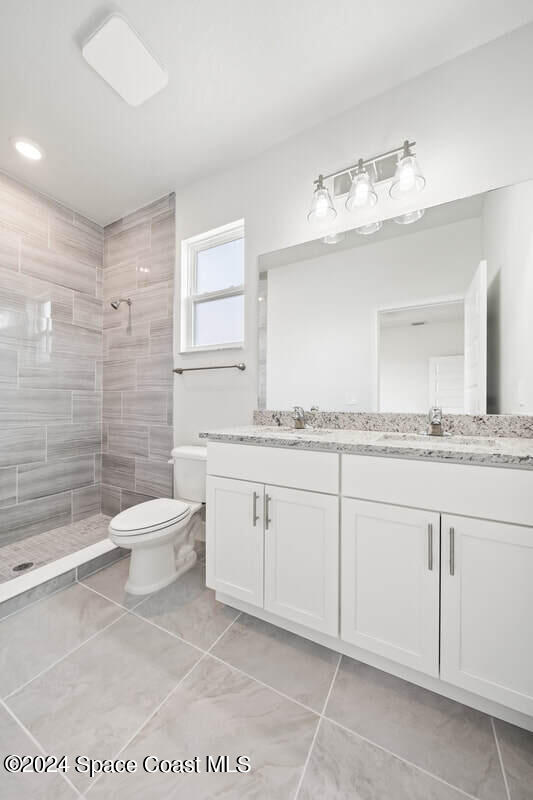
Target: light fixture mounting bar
column 366, row 161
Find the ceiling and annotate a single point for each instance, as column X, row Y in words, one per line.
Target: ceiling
column 243, row 75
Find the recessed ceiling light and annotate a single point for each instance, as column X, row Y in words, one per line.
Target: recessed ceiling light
column 27, row 148
column 124, row 62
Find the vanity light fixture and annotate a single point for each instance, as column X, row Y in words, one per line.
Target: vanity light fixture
column 334, row 238
column 362, row 193
column 411, row 216
column 408, row 178
column 27, row 148
column 372, row 227
column 322, row 208
column 398, row 165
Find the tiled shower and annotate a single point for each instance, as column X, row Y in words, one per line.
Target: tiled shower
column 64, row 353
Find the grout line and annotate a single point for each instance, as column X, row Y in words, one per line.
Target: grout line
column 400, row 758
column 500, row 756
column 37, row 744
column 63, row 657
column 321, row 717
column 105, row 597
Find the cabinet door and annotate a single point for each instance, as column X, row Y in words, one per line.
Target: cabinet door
column 390, row 582
column 302, row 557
column 487, row 604
column 234, row 538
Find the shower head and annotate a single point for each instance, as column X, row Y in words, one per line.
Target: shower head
column 116, row 303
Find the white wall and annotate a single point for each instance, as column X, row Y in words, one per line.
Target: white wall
column 322, row 323
column 508, row 247
column 472, row 118
column 404, row 354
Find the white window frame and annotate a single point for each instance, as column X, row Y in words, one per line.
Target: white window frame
column 190, row 298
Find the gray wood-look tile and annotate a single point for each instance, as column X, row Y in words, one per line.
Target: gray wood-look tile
column 155, row 372
column 189, row 609
column 161, row 442
column 24, row 293
column 140, row 216
column 516, row 746
column 118, row 471
column 161, row 336
column 152, row 302
column 145, row 406
column 111, row 581
column 345, row 767
column 88, row 311
column 22, row 445
column 122, row 344
column 57, row 268
column 119, row 280
column 8, row 367
column 86, row 406
column 41, row 370
column 94, row 700
column 8, row 486
column 35, row 516
column 153, row 478
column 27, row 406
column 295, row 666
column 65, row 441
column 119, row 376
column 76, row 240
column 101, row 563
column 159, row 265
column 15, row 786
column 37, row 636
column 22, row 210
column 9, row 249
column 39, row 480
column 86, row 502
column 129, row 499
column 223, row 712
column 126, row 244
column 112, row 406
column 110, row 500
column 445, row 738
column 77, row 340
column 127, row 440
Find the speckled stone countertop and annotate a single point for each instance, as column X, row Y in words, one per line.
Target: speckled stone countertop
column 496, row 451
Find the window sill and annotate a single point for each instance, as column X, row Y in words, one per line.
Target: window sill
column 211, row 348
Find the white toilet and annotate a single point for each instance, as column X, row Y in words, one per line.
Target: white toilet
column 160, row 533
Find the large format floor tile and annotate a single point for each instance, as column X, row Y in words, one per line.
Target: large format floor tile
column 34, row 638
column 16, row 786
column 218, row 711
column 111, row 582
column 295, row 666
column 345, row 767
column 516, row 746
column 189, row 609
column 95, row 699
column 446, row 738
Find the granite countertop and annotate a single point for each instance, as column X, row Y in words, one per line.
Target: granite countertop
column 495, row 451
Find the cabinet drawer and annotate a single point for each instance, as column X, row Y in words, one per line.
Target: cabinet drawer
column 298, row 469
column 497, row 493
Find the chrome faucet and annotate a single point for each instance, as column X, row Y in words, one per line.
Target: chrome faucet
column 299, row 417
column 435, row 422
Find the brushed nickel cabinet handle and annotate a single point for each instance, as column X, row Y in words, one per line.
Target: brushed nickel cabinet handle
column 430, row 546
column 452, row 551
column 267, row 512
column 255, row 515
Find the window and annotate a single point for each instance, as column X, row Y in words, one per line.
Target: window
column 212, row 289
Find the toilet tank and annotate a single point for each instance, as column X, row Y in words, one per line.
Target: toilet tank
column 190, row 464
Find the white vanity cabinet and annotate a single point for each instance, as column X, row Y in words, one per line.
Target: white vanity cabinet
column 390, row 582
column 487, row 609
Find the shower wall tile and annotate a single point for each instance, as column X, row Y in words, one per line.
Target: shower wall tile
column 139, row 256
column 66, row 441
column 8, row 486
column 21, row 406
column 22, row 445
column 51, row 362
column 35, row 516
column 40, row 480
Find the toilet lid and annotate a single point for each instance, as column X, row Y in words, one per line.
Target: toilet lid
column 151, row 514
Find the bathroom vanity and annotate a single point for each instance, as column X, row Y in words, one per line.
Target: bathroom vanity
column 412, row 555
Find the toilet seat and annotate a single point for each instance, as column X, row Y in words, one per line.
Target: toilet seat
column 149, row 517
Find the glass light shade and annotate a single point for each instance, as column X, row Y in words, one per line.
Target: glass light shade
column 333, row 238
column 362, row 193
column 411, row 216
column 408, row 178
column 322, row 208
column 372, row 227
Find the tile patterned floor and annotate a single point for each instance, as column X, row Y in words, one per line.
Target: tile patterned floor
column 93, row 671
column 51, row 545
